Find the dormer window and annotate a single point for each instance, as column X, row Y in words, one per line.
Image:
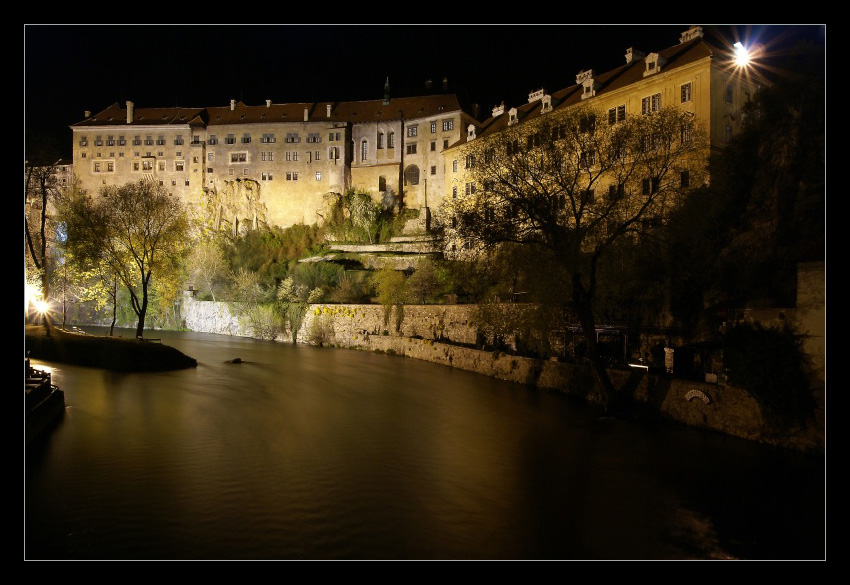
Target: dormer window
column 546, row 104
column 512, row 116
column 654, row 63
column 470, row 132
column 585, row 78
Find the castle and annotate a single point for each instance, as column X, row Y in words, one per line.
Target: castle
column 243, row 166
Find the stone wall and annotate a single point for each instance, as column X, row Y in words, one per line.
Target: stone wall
column 424, row 328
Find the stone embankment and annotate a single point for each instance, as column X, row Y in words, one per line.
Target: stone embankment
column 443, row 334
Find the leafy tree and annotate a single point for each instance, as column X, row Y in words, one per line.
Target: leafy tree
column 207, row 265
column 575, row 186
column 137, row 229
column 392, row 290
column 424, row 283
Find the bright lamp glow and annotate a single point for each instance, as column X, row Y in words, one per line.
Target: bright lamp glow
column 41, row 306
column 742, row 55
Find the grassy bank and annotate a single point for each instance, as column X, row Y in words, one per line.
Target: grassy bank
column 109, row 353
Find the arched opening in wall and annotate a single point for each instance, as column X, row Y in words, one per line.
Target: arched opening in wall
column 382, row 183
column 411, row 175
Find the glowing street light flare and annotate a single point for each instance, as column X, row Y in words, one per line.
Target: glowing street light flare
column 742, row 55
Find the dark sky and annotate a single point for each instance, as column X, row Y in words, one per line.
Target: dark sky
column 72, row 68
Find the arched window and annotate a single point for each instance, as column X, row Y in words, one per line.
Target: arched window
column 364, row 150
column 411, row 175
column 380, row 140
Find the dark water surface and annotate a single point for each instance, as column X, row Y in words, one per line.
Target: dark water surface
column 316, row 453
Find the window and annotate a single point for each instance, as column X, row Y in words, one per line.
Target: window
column 148, row 141
column 211, row 156
column 445, row 144
column 173, row 182
column 316, row 153
column 291, row 175
column 616, row 192
column 267, row 156
column 213, row 140
column 470, row 161
column 364, row 150
column 96, row 167
column 160, row 140
column 333, row 136
column 454, row 166
column 178, row 141
column 686, row 92
column 135, row 165
column 617, row 114
column 246, row 139
column 411, row 175
column 161, row 166
column 448, row 125
column 391, row 140
column 147, row 165
column 238, row 157
column 98, row 141
column 245, row 171
column 318, row 175
column 729, row 92
column 685, row 133
column 292, row 156
column 293, row 137
column 186, row 182
column 122, row 141
column 650, row 104
column 433, row 146
column 433, row 170
column 110, row 141
column 137, row 141
column 333, row 153
column 470, row 188
column 267, row 138
column 178, row 166
column 380, row 140
column 314, row 138
column 412, row 131
column 587, row 123
column 230, row 139
column 433, row 127
column 411, row 149
column 84, row 142
column 454, row 192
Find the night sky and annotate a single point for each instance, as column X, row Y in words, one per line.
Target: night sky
column 73, row 68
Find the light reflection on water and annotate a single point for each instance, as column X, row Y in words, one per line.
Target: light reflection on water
column 303, row 452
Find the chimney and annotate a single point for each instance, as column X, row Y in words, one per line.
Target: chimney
column 232, row 105
column 692, row 33
column 475, row 111
column 387, row 92
column 130, row 112
column 428, row 84
column 87, row 114
column 445, row 83
column 498, row 110
column 306, row 114
column 268, row 103
column 328, row 109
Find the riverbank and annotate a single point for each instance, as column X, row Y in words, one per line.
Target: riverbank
column 110, row 353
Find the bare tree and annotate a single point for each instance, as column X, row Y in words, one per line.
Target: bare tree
column 137, row 229
column 573, row 185
column 41, row 189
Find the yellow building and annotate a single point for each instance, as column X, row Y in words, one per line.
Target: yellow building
column 692, row 75
column 241, row 166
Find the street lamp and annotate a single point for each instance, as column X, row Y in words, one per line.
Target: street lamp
column 742, row 55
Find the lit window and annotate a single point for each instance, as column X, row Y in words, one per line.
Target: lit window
column 178, row 165
column 686, row 92
column 433, row 127
column 650, row 104
column 364, row 150
column 448, row 124
column 412, row 131
column 319, row 175
column 391, row 140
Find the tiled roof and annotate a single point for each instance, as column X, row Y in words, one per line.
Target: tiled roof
column 116, row 115
column 341, row 112
column 616, row 79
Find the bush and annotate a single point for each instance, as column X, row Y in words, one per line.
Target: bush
column 769, row 364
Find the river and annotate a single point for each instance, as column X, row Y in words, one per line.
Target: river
column 314, row 453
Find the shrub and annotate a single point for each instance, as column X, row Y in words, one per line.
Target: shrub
column 769, row 364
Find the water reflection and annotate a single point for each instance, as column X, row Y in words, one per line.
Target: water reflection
column 301, row 452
